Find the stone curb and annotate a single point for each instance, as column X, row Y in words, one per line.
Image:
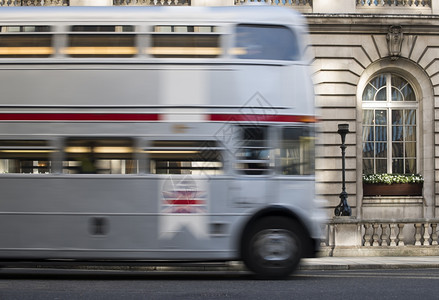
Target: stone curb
column 239, row 267
column 323, row 267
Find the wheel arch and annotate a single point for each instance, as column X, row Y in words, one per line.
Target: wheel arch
column 278, row 211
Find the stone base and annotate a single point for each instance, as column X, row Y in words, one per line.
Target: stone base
column 370, row 251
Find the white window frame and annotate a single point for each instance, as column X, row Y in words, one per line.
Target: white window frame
column 390, row 105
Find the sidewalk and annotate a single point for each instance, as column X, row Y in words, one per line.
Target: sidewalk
column 383, row 262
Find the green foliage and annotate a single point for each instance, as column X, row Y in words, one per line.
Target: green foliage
column 392, row 178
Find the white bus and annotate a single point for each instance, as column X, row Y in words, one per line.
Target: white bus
column 157, row 134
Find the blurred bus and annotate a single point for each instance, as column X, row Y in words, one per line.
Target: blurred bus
column 157, row 133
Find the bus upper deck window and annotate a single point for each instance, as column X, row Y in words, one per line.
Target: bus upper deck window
column 25, row 42
column 185, row 42
column 269, row 42
column 101, row 41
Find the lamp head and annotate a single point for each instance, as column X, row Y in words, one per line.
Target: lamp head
column 343, row 129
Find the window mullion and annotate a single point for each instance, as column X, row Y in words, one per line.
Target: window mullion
column 389, row 123
column 389, row 141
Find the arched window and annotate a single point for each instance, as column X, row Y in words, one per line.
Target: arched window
column 390, row 108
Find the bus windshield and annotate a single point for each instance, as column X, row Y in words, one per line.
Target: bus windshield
column 266, row 42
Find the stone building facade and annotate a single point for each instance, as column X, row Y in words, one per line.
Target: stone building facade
column 375, row 67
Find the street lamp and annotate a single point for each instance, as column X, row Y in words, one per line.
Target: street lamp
column 343, row 208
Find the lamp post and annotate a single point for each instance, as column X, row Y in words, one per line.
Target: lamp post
column 343, row 208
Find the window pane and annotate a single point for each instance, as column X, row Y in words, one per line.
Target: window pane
column 402, row 90
column 368, row 166
column 25, row 45
column 398, row 166
column 380, row 117
column 368, row 150
column 410, row 150
column 381, row 149
column 410, row 117
column 102, row 28
column 24, row 28
column 396, row 95
column 368, row 116
column 397, row 149
column 381, row 95
column 398, row 82
column 379, row 81
column 185, row 46
column 410, row 166
column 410, row 133
column 381, row 166
column 297, row 152
column 397, row 133
column 99, row 156
column 397, row 117
column 185, row 157
column 408, row 93
column 184, row 28
column 381, row 133
column 101, row 45
column 25, row 156
column 369, row 93
column 266, row 42
column 368, row 133
column 253, row 154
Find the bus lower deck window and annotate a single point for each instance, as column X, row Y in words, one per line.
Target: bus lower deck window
column 253, row 156
column 185, row 157
column 25, row 156
column 297, row 151
column 99, row 156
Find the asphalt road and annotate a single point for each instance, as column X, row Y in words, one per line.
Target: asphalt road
column 100, row 284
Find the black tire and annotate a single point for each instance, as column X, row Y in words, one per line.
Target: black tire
column 273, row 247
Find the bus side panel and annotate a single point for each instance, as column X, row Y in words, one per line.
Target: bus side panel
column 247, row 87
column 105, row 218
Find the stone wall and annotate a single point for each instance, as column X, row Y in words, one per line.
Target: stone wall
column 348, row 50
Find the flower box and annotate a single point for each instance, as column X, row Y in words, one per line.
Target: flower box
column 392, row 185
column 396, row 189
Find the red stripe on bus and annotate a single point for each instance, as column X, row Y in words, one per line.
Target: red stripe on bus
column 261, row 118
column 185, row 202
column 77, row 117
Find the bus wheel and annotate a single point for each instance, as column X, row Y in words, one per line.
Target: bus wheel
column 273, row 247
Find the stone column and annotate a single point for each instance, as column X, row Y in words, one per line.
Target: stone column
column 91, row 2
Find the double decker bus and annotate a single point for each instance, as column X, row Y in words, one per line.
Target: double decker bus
column 157, row 134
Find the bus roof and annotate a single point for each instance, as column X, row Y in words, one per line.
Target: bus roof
column 227, row 14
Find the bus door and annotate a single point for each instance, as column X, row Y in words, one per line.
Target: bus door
column 254, row 164
column 295, row 163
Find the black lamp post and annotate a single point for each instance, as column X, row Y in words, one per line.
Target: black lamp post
column 343, row 208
